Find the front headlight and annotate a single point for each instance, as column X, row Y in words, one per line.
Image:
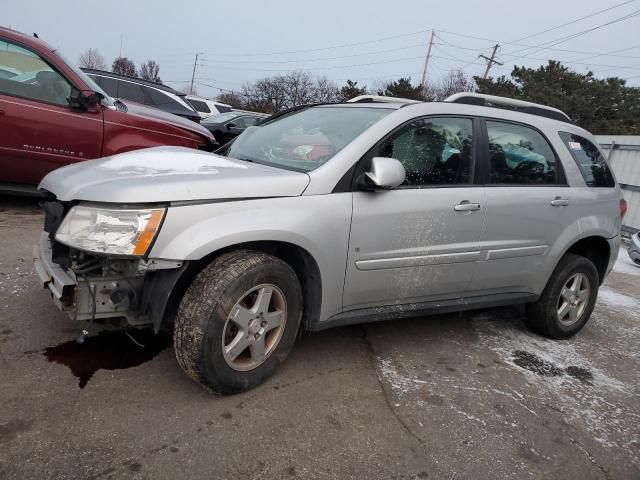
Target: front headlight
column 113, row 231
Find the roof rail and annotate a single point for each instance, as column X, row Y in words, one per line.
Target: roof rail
column 381, row 99
column 520, row 105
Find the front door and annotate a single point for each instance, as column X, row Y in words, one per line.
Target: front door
column 39, row 131
column 418, row 242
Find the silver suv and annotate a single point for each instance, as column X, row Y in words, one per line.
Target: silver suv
column 336, row 214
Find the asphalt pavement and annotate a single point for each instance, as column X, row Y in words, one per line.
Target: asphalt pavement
column 459, row 396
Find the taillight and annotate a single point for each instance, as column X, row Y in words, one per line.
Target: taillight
column 623, row 207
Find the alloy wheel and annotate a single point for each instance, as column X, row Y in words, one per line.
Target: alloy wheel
column 254, row 327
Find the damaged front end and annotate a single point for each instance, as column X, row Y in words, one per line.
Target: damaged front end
column 93, row 286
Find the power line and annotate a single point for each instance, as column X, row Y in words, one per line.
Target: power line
column 571, row 22
column 564, row 50
column 566, row 38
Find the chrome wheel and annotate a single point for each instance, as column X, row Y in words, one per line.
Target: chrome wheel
column 254, row 327
column 574, row 298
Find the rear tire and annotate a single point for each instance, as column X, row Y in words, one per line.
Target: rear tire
column 238, row 321
column 567, row 301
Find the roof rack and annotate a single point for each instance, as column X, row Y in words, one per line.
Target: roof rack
column 511, row 103
column 381, row 99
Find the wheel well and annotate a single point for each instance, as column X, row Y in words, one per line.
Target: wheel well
column 595, row 249
column 301, row 261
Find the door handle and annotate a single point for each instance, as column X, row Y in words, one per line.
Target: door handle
column 466, row 206
column 1, row 112
column 560, row 202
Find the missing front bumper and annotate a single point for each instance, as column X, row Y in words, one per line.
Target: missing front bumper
column 84, row 297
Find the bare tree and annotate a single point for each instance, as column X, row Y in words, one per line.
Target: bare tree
column 453, row 82
column 279, row 92
column 150, row 71
column 326, row 91
column 92, row 58
column 124, row 66
column 231, row 98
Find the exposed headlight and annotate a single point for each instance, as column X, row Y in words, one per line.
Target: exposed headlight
column 117, row 232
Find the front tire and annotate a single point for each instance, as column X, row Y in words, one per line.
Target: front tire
column 567, row 301
column 238, row 321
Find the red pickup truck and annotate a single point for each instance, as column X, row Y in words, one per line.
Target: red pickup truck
column 53, row 114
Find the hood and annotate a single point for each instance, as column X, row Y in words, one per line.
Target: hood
column 139, row 110
column 169, row 174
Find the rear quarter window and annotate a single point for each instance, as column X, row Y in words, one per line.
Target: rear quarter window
column 199, row 105
column 591, row 162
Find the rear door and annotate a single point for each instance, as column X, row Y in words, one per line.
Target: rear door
column 38, row 130
column 418, row 242
column 529, row 209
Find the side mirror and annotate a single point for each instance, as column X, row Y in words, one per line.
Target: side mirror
column 83, row 100
column 231, row 125
column 385, row 173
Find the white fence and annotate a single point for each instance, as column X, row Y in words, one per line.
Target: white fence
column 624, row 157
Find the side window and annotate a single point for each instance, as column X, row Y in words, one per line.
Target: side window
column 199, row 105
column 251, row 121
column 519, row 155
column 109, row 85
column 434, row 151
column 130, row 91
column 592, row 164
column 25, row 74
column 160, row 98
column 222, row 108
column 239, row 122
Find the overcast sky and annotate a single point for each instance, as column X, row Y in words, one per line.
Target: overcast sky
column 369, row 41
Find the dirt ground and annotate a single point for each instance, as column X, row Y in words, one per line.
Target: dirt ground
column 460, row 396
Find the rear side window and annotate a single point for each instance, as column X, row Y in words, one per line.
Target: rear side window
column 592, row 164
column 199, row 105
column 159, row 98
column 222, row 108
column 519, row 155
column 131, row 91
column 109, row 85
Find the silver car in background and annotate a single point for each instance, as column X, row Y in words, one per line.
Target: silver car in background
column 336, row 214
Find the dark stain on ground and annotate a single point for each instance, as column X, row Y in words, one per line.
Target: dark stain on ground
column 580, row 373
column 6, row 331
column 227, row 415
column 135, row 467
column 535, row 364
column 110, row 350
column 12, row 429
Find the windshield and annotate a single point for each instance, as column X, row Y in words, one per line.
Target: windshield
column 221, row 118
column 305, row 139
column 107, row 101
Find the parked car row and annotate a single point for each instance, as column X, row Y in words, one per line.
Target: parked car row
column 52, row 114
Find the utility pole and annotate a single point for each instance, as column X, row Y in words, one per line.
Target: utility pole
column 120, row 46
column 423, row 84
column 490, row 61
column 193, row 75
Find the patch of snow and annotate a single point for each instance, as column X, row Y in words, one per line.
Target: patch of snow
column 584, row 402
column 624, row 264
column 617, row 300
column 401, row 384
